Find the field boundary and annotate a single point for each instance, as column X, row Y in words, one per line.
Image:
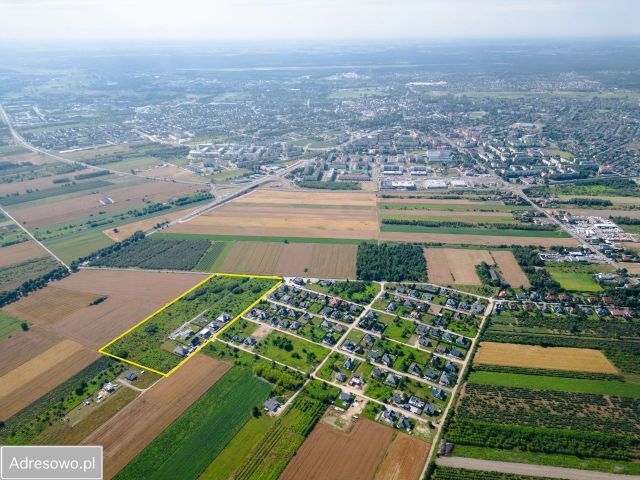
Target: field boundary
column 103, row 351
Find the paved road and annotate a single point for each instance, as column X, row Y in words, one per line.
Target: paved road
column 527, row 469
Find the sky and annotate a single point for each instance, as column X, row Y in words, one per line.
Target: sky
column 231, row 20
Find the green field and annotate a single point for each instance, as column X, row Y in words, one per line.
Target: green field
column 576, row 282
column 156, row 253
column 238, row 449
column 213, row 257
column 78, row 246
column 292, row 351
column 148, row 343
column 186, row 447
column 475, row 231
column 269, row 458
column 8, row 325
column 562, row 384
column 556, row 460
column 577, row 277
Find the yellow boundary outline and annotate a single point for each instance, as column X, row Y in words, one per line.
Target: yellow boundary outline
column 204, row 344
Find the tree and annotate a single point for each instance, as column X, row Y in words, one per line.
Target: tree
column 256, row 412
column 24, row 326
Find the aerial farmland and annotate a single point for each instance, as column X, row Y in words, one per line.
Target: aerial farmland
column 398, row 263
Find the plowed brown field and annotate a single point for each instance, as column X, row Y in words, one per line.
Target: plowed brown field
column 328, row 454
column 404, row 459
column 127, row 433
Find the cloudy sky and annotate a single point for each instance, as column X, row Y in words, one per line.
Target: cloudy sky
column 37, row 20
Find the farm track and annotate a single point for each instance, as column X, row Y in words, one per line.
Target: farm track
column 530, row 469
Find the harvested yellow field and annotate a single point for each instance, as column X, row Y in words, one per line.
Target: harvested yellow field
column 292, row 259
column 278, row 221
column 354, row 198
column 455, row 265
column 317, row 261
column 510, row 269
column 47, row 306
column 534, row 356
column 34, row 378
column 258, row 258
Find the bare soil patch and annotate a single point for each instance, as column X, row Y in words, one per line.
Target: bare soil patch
column 404, row 459
column 20, row 252
column 37, row 376
column 329, row 453
column 128, row 432
column 533, row 356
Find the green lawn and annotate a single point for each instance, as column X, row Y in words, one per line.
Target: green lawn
column 8, row 325
column 575, row 281
column 185, row 449
column 238, row 449
column 562, row 384
column 556, row 460
column 293, row 351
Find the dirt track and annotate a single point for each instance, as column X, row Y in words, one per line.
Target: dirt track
column 528, row 469
column 127, row 433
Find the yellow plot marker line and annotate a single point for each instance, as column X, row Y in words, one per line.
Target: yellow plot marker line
column 103, row 351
